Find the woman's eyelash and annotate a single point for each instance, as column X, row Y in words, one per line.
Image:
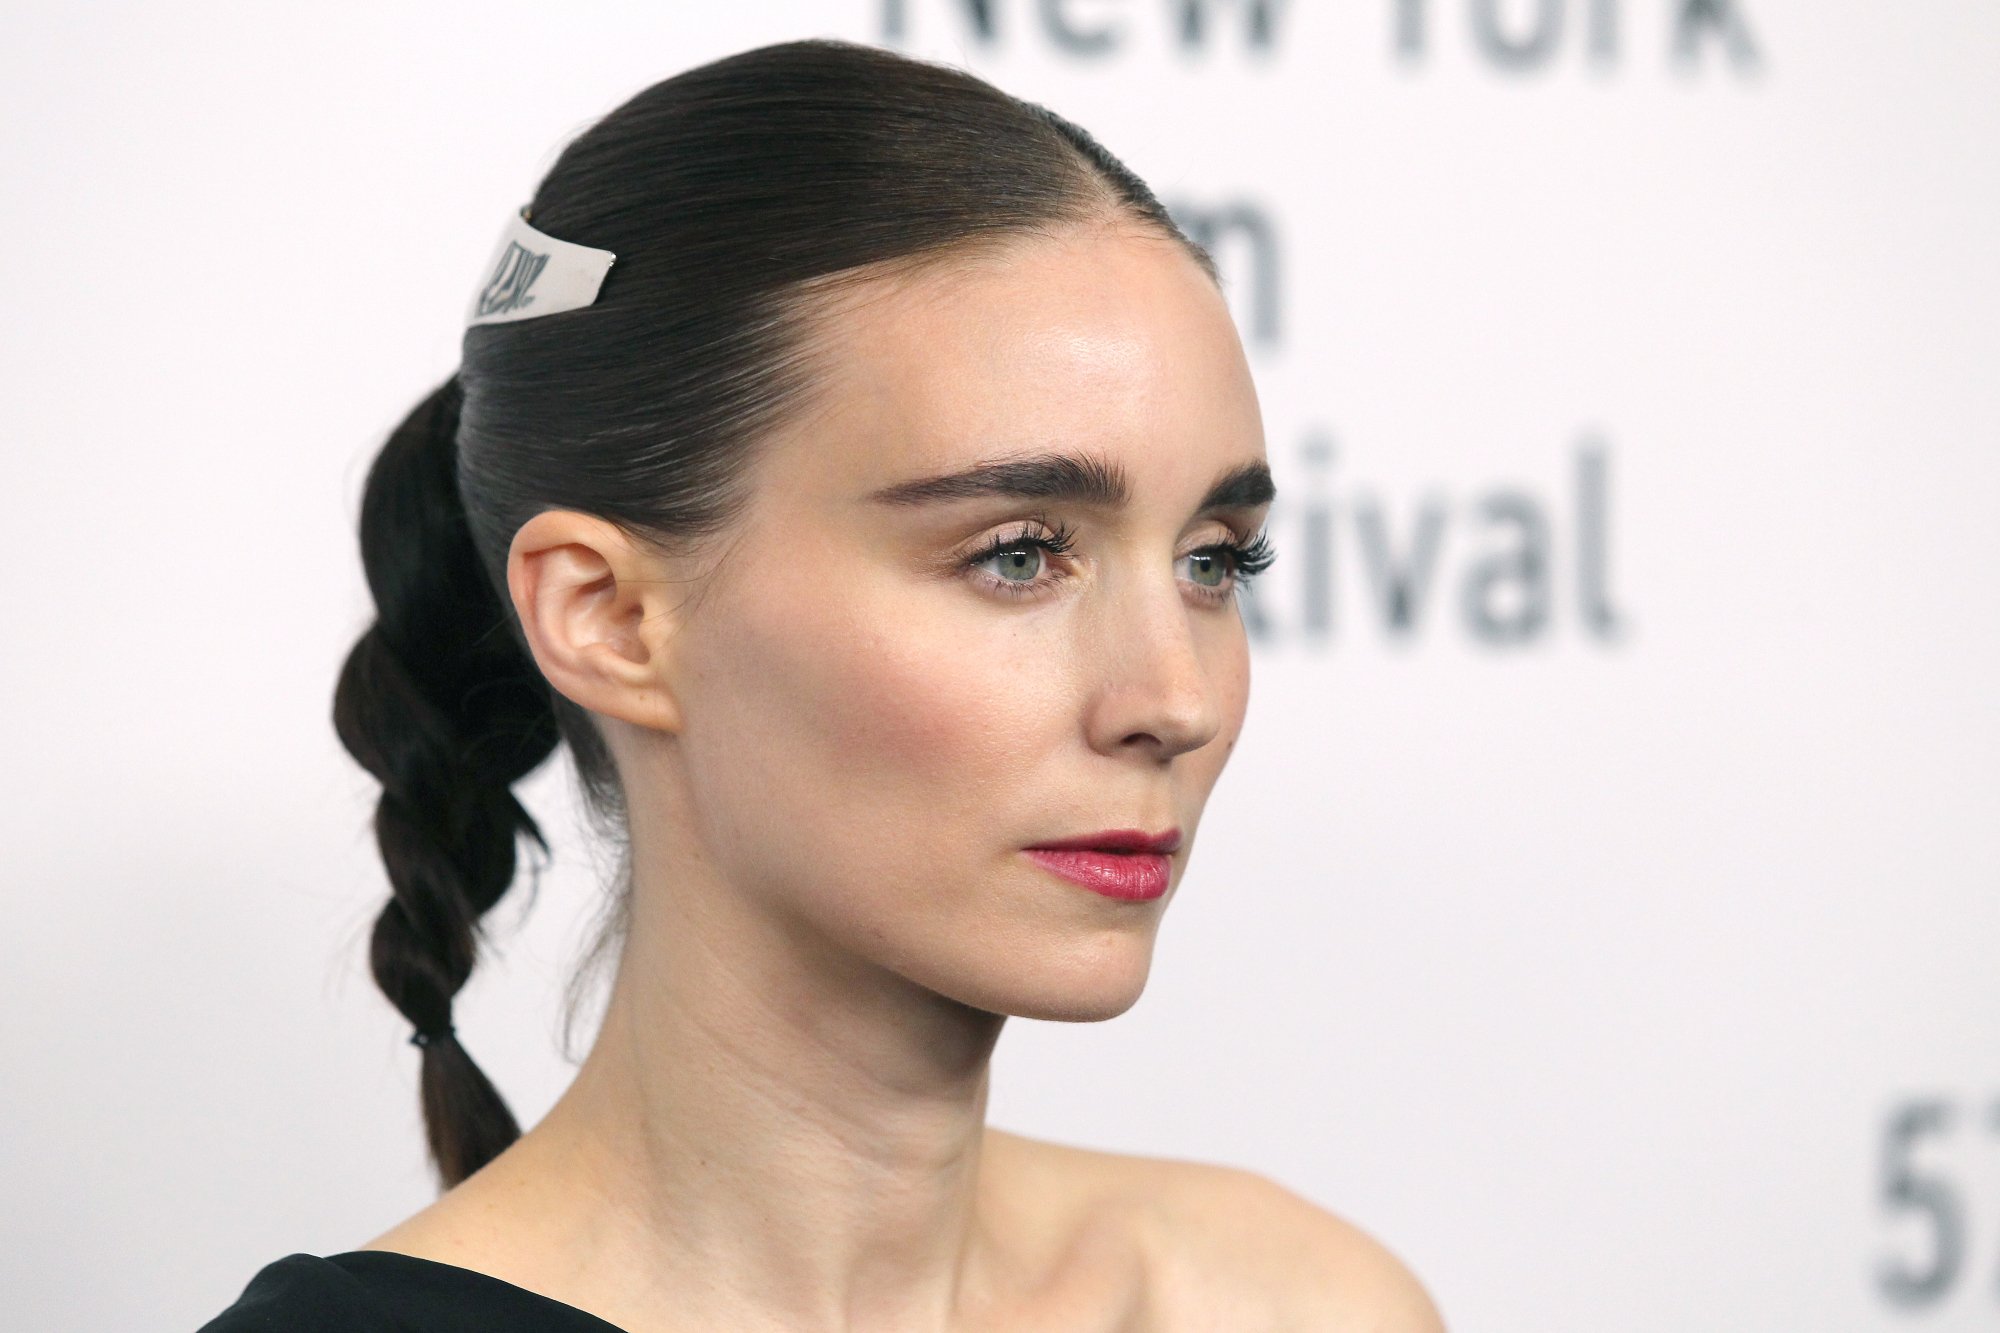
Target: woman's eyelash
column 1246, row 559
column 1059, row 539
column 1250, row 558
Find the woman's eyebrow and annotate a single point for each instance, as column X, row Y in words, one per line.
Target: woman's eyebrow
column 1077, row 478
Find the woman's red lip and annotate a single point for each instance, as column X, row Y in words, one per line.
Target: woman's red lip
column 1132, row 875
column 1118, row 840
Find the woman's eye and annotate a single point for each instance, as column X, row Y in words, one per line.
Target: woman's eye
column 1211, row 570
column 1019, row 560
column 1018, row 564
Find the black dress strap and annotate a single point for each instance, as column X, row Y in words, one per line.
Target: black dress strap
column 382, row 1291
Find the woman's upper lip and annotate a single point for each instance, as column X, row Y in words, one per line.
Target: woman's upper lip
column 1117, row 840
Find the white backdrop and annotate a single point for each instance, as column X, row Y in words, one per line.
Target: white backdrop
column 1601, row 905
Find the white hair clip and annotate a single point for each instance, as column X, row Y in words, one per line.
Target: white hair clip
column 534, row 274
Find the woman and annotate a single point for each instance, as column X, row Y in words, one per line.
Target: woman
column 855, row 467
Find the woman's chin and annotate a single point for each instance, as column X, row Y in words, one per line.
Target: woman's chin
column 1077, row 990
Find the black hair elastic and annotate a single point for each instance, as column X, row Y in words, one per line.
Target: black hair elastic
column 427, row 1038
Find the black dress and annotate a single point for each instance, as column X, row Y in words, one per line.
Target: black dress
column 381, row 1291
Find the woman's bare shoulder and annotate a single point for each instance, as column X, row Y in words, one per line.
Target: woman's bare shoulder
column 1230, row 1248
column 1251, row 1240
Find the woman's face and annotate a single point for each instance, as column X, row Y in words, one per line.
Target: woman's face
column 879, row 717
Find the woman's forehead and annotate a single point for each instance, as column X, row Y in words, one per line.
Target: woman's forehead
column 1106, row 343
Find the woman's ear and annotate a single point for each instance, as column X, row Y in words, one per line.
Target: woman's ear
column 600, row 612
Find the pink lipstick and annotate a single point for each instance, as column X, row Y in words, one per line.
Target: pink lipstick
column 1118, row 863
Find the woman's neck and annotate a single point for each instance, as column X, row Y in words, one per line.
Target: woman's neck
column 763, row 1131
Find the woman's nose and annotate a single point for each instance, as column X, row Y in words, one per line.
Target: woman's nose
column 1153, row 689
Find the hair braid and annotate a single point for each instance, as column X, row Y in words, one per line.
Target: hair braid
column 444, row 706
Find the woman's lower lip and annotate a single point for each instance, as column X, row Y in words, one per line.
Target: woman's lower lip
column 1113, row 874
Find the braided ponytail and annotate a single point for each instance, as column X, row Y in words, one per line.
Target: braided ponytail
column 441, row 703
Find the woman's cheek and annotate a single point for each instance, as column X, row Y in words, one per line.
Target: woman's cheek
column 902, row 699
column 926, row 704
